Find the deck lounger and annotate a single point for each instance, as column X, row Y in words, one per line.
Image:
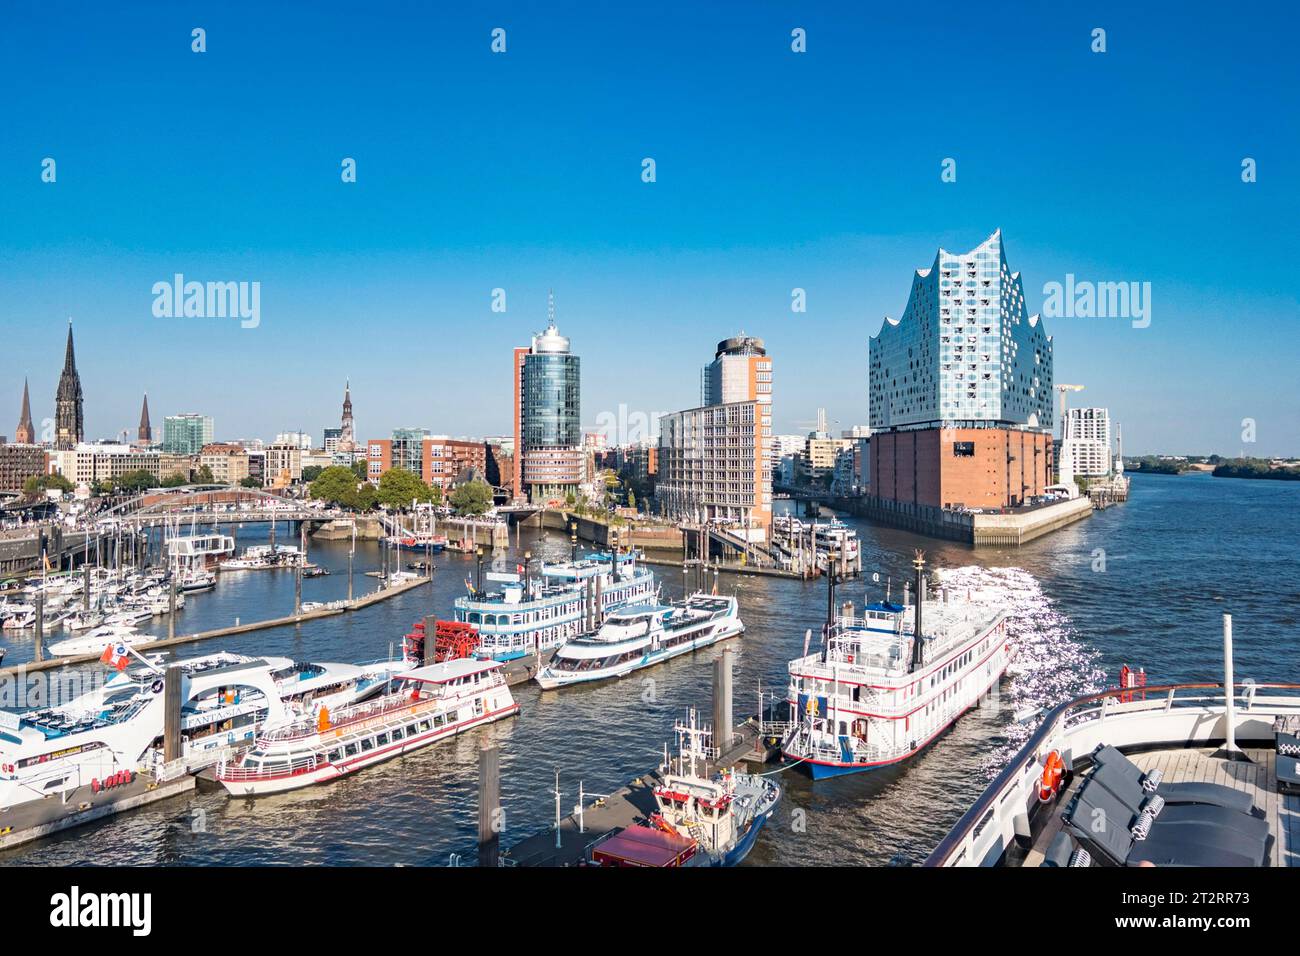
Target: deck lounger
column 1252, row 830
column 1215, row 794
column 1288, row 774
column 1129, row 792
column 1101, row 823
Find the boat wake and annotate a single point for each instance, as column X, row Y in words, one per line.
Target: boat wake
column 1052, row 663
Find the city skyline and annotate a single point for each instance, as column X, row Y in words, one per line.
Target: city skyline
column 774, row 174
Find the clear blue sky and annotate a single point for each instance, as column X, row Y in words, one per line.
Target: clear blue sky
column 522, row 171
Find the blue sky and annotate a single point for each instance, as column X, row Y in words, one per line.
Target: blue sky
column 522, row 171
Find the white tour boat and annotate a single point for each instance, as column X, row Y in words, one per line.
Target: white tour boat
column 875, row 695
column 117, row 727
column 561, row 602
column 428, row 704
column 641, row 635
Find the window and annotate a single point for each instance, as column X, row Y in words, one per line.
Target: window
column 963, row 449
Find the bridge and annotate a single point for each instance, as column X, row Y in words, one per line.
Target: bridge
column 211, row 504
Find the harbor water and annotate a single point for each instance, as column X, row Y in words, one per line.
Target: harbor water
column 1143, row 583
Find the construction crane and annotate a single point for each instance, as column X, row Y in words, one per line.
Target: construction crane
column 1063, row 389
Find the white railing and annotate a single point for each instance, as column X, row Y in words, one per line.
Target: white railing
column 1174, row 714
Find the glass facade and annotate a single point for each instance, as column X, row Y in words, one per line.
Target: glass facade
column 186, row 434
column 552, row 401
column 965, row 351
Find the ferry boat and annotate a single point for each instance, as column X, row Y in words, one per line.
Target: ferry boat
column 796, row 537
column 701, row 820
column 117, row 727
column 566, row 600
column 875, row 695
column 642, row 635
column 428, row 704
column 261, row 557
column 1193, row 775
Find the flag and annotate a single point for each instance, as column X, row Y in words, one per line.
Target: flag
column 115, row 656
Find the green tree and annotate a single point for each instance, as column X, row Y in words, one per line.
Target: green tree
column 250, row 482
column 37, row 485
column 472, row 498
column 336, row 485
column 359, row 469
column 631, row 498
column 367, row 497
column 204, row 476
column 175, row 480
column 399, row 487
column 311, row 473
column 134, row 481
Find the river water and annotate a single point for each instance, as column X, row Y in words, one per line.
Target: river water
column 1143, row 583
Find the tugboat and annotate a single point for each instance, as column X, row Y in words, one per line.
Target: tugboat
column 887, row 683
column 701, row 821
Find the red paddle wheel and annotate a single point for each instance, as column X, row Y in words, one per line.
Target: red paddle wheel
column 452, row 640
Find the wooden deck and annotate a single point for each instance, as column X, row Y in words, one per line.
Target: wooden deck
column 1257, row 778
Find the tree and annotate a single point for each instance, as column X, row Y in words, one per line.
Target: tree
column 359, row 469
column 336, row 485
column 175, row 480
column 134, row 481
column 472, row 498
column 204, row 476
column 631, row 498
column 37, row 485
column 250, row 482
column 311, row 473
column 367, row 497
column 399, row 487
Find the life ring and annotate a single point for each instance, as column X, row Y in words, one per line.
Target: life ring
column 1053, row 770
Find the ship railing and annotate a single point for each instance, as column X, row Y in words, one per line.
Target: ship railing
column 1170, row 714
column 235, row 773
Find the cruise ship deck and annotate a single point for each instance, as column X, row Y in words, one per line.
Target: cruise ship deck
column 1198, row 765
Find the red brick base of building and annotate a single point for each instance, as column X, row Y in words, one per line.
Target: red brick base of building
column 961, row 467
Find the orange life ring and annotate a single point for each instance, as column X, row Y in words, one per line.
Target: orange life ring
column 1053, row 770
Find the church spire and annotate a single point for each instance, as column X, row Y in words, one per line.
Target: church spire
column 69, row 424
column 69, row 355
column 25, row 433
column 145, row 433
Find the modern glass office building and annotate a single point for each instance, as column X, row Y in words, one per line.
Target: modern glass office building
column 548, row 417
column 186, row 434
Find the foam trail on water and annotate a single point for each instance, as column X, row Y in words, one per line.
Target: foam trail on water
column 1052, row 663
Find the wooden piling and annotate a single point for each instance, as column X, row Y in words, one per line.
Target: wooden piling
column 172, row 713
column 489, row 805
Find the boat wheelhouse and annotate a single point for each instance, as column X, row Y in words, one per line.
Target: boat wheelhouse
column 566, row 600
column 641, row 635
column 427, row 704
column 875, row 695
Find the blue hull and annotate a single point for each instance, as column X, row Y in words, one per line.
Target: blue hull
column 741, row 849
column 821, row 771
